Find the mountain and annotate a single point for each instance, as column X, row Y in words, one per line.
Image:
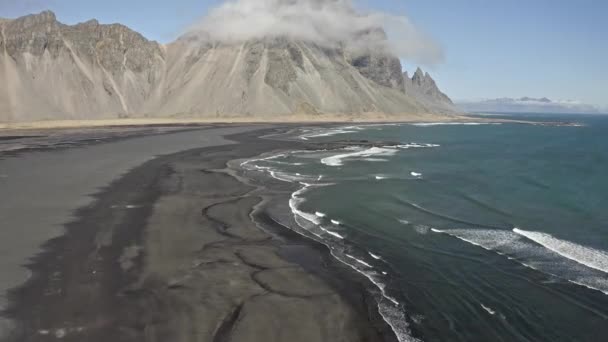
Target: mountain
column 529, row 105
column 423, row 87
column 49, row 70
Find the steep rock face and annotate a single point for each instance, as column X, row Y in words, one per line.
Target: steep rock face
column 275, row 76
column 382, row 69
column 376, row 65
column 50, row 70
column 424, row 83
column 424, row 88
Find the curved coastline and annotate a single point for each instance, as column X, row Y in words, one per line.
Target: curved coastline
column 114, row 256
column 314, row 225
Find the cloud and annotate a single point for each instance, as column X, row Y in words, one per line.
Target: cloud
column 325, row 22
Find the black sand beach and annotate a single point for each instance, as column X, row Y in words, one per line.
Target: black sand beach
column 181, row 249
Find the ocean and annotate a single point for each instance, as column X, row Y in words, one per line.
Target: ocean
column 467, row 232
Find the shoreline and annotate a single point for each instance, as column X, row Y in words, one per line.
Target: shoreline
column 365, row 118
column 113, row 269
column 386, row 306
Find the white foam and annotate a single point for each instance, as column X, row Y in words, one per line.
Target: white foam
column 587, row 256
column 338, row 159
column 327, row 132
column 377, row 257
column 285, row 163
column 278, row 175
column 398, row 322
column 283, row 177
column 490, row 311
column 388, row 307
column 414, row 145
column 370, row 275
column 324, row 132
column 375, row 160
column 296, row 200
column 276, row 156
column 373, row 277
column 487, row 239
column 557, row 261
column 422, row 229
column 332, row 233
column 404, row 221
column 359, row 261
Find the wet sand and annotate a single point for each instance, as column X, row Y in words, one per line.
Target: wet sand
column 180, row 249
column 42, row 187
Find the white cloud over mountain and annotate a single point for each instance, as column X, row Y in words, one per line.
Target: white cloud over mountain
column 324, row 22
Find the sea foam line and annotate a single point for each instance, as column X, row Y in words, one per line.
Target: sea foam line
column 296, row 200
column 524, row 250
column 392, row 313
column 332, row 233
column 359, row 261
column 327, row 132
column 490, row 311
column 377, row 257
column 586, row 256
column 337, row 160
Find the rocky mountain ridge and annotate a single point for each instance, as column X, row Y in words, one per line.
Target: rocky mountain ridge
column 49, row 70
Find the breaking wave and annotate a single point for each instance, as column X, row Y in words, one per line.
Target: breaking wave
column 325, row 132
column 587, row 256
column 328, row 132
column 563, row 259
column 371, row 154
column 338, row 159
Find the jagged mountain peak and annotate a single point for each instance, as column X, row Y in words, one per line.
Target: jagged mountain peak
column 425, row 88
column 45, row 17
column 91, row 22
column 93, row 70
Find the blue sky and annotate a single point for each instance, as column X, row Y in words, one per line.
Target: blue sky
column 493, row 48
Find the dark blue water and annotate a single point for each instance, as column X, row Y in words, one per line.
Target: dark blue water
column 470, row 232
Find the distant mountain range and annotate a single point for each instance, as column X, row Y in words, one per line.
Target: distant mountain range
column 49, row 70
column 529, row 105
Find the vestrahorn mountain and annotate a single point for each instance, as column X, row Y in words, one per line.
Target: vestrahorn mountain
column 49, row 70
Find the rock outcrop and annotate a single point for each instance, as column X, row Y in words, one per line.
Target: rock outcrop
column 424, row 88
column 49, row 70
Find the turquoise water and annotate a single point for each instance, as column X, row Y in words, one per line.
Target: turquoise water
column 469, row 232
